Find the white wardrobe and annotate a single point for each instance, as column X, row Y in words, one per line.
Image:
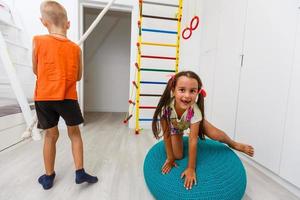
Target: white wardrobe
column 250, row 64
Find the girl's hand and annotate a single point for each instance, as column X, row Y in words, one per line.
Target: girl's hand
column 190, row 178
column 169, row 164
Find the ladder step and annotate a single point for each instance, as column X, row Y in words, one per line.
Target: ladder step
column 159, row 57
column 157, row 70
column 16, row 44
column 22, row 65
column 147, row 107
column 160, row 4
column 4, row 83
column 11, row 25
column 158, row 17
column 158, row 44
column 145, row 120
column 153, row 82
column 159, row 31
column 150, row 95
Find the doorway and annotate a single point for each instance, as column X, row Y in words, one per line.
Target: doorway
column 107, row 61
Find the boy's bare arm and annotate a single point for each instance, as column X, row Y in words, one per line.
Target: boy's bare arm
column 34, row 59
column 79, row 75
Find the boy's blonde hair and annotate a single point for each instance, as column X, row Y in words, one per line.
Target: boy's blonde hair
column 54, row 12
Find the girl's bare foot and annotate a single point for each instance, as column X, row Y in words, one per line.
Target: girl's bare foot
column 245, row 148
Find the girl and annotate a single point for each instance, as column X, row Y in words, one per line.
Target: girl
column 181, row 107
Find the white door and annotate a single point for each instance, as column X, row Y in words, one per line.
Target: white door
column 290, row 161
column 228, row 64
column 268, row 49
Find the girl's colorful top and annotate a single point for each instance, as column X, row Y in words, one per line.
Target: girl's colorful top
column 190, row 116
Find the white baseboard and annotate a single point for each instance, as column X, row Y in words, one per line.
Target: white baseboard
column 284, row 183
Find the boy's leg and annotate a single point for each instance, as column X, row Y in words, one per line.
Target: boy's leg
column 77, row 151
column 47, row 120
column 49, row 151
column 219, row 135
column 77, row 146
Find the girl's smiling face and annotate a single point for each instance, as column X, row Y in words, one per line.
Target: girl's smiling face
column 185, row 92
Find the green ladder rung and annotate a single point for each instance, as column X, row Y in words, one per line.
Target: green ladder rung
column 157, row 70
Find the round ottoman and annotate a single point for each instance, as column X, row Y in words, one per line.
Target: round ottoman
column 220, row 173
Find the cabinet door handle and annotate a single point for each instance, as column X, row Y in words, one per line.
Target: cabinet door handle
column 242, row 60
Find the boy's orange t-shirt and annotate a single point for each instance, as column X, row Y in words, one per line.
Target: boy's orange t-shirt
column 58, row 62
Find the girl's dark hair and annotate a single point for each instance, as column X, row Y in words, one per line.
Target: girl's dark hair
column 165, row 100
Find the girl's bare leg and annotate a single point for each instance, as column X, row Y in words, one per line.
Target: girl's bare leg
column 219, row 135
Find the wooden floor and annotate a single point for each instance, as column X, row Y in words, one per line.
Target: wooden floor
column 114, row 154
column 10, row 106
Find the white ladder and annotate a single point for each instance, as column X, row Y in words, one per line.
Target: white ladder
column 15, row 58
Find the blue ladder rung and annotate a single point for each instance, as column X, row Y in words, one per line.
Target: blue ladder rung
column 145, row 120
column 153, row 82
column 159, row 31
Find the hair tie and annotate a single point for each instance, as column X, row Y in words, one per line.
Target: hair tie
column 172, row 76
column 171, row 80
column 202, row 92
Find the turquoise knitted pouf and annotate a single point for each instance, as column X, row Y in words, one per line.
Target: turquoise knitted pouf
column 220, row 173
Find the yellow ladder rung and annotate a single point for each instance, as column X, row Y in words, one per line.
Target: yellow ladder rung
column 159, row 44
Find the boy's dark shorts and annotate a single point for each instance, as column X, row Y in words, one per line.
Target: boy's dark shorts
column 48, row 113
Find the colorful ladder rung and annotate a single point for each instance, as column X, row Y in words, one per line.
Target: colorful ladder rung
column 159, row 57
column 160, row 4
column 150, row 95
column 147, row 107
column 127, row 119
column 134, row 83
column 159, row 17
column 131, row 102
column 137, row 66
column 145, row 120
column 153, row 82
column 157, row 70
column 159, row 31
column 159, row 44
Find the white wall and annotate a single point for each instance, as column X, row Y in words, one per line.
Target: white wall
column 107, row 63
column 189, row 49
column 29, row 13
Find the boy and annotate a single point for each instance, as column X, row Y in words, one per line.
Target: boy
column 57, row 65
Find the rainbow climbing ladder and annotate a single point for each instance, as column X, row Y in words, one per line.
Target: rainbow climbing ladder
column 157, row 56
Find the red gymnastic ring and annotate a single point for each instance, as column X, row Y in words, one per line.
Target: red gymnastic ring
column 189, row 33
column 191, row 28
column 196, row 18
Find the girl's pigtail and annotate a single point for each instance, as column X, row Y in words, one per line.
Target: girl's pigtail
column 200, row 104
column 165, row 100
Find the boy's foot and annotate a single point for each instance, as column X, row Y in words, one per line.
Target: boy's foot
column 47, row 181
column 245, row 148
column 82, row 176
